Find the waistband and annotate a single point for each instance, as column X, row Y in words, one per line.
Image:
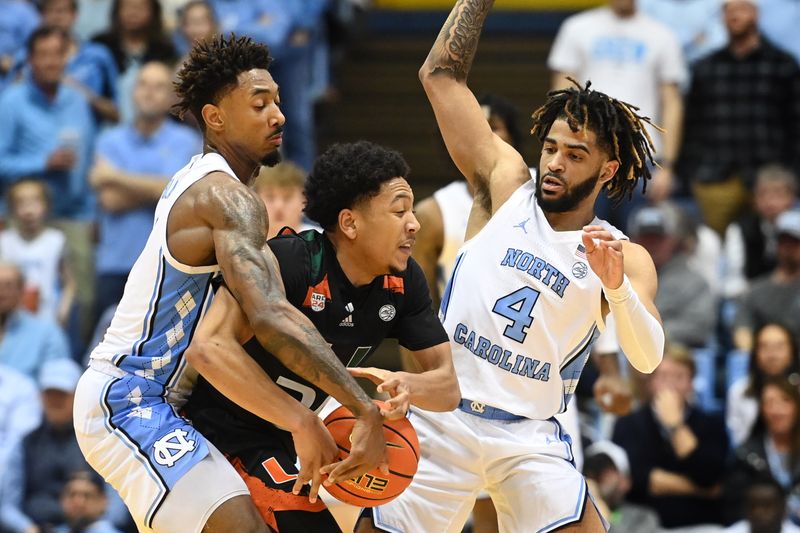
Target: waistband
column 487, row 411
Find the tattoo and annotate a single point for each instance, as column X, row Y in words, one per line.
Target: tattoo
column 454, row 49
column 252, row 275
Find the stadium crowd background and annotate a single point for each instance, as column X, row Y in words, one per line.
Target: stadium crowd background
column 711, row 439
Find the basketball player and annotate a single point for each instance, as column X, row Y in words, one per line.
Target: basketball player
column 208, row 220
column 357, row 283
column 530, row 291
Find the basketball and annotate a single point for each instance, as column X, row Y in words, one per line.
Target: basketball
column 375, row 487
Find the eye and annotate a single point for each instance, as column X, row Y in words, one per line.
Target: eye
column 575, row 157
column 548, row 150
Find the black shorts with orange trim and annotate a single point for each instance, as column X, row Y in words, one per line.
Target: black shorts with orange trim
column 270, row 475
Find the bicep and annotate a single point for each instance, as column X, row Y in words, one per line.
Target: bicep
column 475, row 149
column 438, row 356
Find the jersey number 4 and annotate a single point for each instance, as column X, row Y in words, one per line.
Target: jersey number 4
column 518, row 308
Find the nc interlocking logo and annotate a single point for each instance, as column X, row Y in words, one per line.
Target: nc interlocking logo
column 169, row 449
column 477, row 407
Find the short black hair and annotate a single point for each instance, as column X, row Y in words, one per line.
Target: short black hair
column 87, row 475
column 620, row 132
column 594, row 465
column 347, row 174
column 213, row 68
column 44, row 4
column 507, row 112
column 41, row 33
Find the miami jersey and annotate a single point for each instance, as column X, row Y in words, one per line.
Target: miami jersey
column 522, row 309
column 162, row 304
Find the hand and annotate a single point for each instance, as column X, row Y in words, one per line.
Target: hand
column 668, row 406
column 367, row 451
column 315, row 448
column 61, row 159
column 102, row 173
column 392, row 383
column 613, row 395
column 660, row 186
column 604, row 254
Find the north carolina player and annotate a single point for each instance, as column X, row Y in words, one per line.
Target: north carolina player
column 207, row 221
column 530, row 292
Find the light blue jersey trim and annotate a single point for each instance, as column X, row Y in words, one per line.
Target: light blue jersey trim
column 574, row 517
column 448, row 290
column 573, row 365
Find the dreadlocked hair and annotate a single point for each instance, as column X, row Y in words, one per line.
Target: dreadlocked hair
column 619, row 128
column 212, row 70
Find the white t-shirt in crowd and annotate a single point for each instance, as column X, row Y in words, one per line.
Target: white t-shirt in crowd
column 627, row 58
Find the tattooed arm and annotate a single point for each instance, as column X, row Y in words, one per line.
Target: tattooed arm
column 238, row 222
column 492, row 167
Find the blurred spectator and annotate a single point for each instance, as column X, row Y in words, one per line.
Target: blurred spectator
column 743, row 112
column 16, row 25
column 764, row 510
column 39, row 251
column 771, row 451
column 28, row 342
column 90, row 68
column 136, row 36
column 684, row 299
column 751, row 243
column 48, row 128
column 778, row 21
column 134, row 162
column 83, row 502
column 20, row 413
column 696, row 23
column 775, row 297
column 43, row 463
column 638, row 60
column 196, row 22
column 49, row 133
column 677, row 452
column 608, row 476
column 774, row 355
column 281, row 189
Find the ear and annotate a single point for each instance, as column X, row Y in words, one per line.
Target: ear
column 214, row 117
column 348, row 223
column 608, row 171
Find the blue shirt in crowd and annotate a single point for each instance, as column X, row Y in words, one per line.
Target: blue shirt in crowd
column 28, row 341
column 266, row 21
column 35, row 126
column 19, row 19
column 123, row 235
column 697, row 24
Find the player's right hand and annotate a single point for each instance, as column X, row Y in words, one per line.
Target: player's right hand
column 315, row 448
column 367, row 451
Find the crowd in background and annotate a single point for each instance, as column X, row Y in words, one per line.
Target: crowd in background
column 712, row 438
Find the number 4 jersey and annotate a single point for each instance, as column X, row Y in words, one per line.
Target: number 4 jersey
column 354, row 320
column 522, row 309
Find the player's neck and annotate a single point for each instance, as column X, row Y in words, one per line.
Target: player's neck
column 570, row 220
column 244, row 168
column 358, row 273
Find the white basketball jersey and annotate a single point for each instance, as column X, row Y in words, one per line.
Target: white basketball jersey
column 522, row 310
column 163, row 301
column 455, row 203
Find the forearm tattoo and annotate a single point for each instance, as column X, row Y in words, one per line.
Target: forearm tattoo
column 454, row 49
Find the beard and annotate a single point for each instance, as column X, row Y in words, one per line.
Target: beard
column 569, row 200
column 272, row 159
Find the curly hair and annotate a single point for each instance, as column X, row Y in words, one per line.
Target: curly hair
column 212, row 70
column 345, row 175
column 620, row 131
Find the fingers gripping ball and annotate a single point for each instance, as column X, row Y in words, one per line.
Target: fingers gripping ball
column 375, row 487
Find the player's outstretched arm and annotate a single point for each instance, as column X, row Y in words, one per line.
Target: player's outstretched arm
column 238, row 222
column 492, row 167
column 629, row 289
column 216, row 352
column 434, row 389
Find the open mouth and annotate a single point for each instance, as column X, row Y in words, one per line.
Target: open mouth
column 551, row 184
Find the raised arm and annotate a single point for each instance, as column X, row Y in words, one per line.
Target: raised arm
column 492, row 167
column 238, row 222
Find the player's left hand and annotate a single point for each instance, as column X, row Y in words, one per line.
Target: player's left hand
column 392, row 383
column 604, row 254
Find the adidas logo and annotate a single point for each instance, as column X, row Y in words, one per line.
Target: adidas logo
column 347, row 322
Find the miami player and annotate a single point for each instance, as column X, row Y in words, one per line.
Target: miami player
column 357, row 283
column 530, row 291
